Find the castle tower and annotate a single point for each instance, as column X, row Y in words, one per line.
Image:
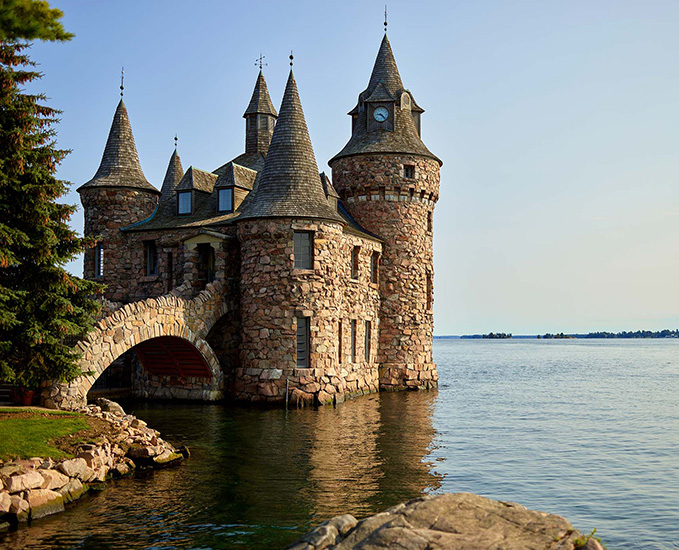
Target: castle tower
column 290, row 250
column 389, row 181
column 117, row 196
column 260, row 119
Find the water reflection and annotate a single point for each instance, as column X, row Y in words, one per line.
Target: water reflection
column 256, row 478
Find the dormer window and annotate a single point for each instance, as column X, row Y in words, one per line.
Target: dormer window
column 184, row 203
column 225, row 200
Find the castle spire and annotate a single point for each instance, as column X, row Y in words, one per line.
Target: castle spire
column 173, row 175
column 120, row 162
column 385, row 70
column 290, row 185
column 260, row 102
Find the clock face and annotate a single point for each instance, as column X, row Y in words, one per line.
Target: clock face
column 381, row 114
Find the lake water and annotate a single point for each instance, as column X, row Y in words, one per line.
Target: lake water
column 587, row 429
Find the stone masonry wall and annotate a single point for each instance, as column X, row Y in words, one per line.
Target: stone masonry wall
column 399, row 210
column 274, row 293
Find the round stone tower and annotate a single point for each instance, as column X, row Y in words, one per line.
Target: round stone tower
column 389, row 182
column 117, row 196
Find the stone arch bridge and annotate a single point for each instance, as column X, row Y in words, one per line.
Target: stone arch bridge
column 168, row 335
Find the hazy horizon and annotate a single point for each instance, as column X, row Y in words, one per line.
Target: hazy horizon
column 556, row 122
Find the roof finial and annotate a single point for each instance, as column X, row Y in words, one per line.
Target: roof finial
column 292, row 57
column 260, row 61
column 122, row 81
column 385, row 18
column 175, row 142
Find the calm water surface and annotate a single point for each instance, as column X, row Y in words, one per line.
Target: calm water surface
column 585, row 429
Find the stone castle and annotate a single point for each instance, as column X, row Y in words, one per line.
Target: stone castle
column 305, row 288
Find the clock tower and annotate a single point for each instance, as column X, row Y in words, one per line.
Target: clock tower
column 389, row 182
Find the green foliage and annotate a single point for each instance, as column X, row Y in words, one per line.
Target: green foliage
column 581, row 541
column 43, row 309
column 27, row 437
column 30, row 20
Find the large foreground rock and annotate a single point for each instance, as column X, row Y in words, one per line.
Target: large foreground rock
column 461, row 521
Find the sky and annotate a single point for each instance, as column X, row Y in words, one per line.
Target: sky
column 557, row 122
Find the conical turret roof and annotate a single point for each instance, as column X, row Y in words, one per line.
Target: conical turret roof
column 260, row 101
column 290, row 185
column 120, row 163
column 173, row 176
column 385, row 85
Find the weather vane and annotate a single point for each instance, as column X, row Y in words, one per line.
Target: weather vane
column 260, row 61
column 175, row 142
column 122, row 81
column 292, row 57
column 385, row 18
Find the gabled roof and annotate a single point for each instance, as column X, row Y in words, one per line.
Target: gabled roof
column 198, row 180
column 234, row 175
column 260, row 102
column 120, row 162
column 289, row 185
column 385, row 85
column 173, row 176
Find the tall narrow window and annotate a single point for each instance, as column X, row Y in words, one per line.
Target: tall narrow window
column 408, row 171
column 302, row 342
column 429, row 292
column 355, row 253
column 206, row 263
column 184, row 202
column 99, row 260
column 353, row 340
column 303, row 249
column 430, row 221
column 374, row 266
column 225, row 200
column 151, row 253
column 170, row 272
column 368, row 335
column 339, row 341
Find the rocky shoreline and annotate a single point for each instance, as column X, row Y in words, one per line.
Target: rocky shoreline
column 460, row 521
column 37, row 487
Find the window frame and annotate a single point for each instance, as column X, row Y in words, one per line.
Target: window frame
column 353, row 340
column 355, row 262
column 230, row 194
column 303, row 324
column 409, row 171
column 181, row 194
column 298, row 255
column 367, row 340
column 99, row 261
column 375, row 267
column 150, row 259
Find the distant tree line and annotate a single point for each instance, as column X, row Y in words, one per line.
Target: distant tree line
column 667, row 333
column 490, row 335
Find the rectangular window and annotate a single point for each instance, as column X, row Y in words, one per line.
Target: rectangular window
column 430, row 221
column 429, row 292
column 206, row 263
column 368, row 335
column 303, row 342
column 374, row 266
column 355, row 253
column 408, row 171
column 303, row 249
column 151, row 253
column 353, row 340
column 339, row 341
column 263, row 122
column 184, row 202
column 99, row 260
column 225, row 200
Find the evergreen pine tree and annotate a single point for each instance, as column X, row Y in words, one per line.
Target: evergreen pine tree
column 43, row 308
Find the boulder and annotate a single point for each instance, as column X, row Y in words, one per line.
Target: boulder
column 75, row 467
column 44, row 502
column 53, row 479
column 5, row 501
column 73, row 490
column 459, row 521
column 19, row 508
column 23, row 482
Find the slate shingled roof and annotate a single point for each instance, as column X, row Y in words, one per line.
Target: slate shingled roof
column 260, row 101
column 173, row 176
column 120, row 163
column 385, row 83
column 234, row 175
column 289, row 185
column 198, row 180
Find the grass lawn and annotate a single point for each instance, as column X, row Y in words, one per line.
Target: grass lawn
column 25, row 433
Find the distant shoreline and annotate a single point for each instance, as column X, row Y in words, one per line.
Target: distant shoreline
column 639, row 334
